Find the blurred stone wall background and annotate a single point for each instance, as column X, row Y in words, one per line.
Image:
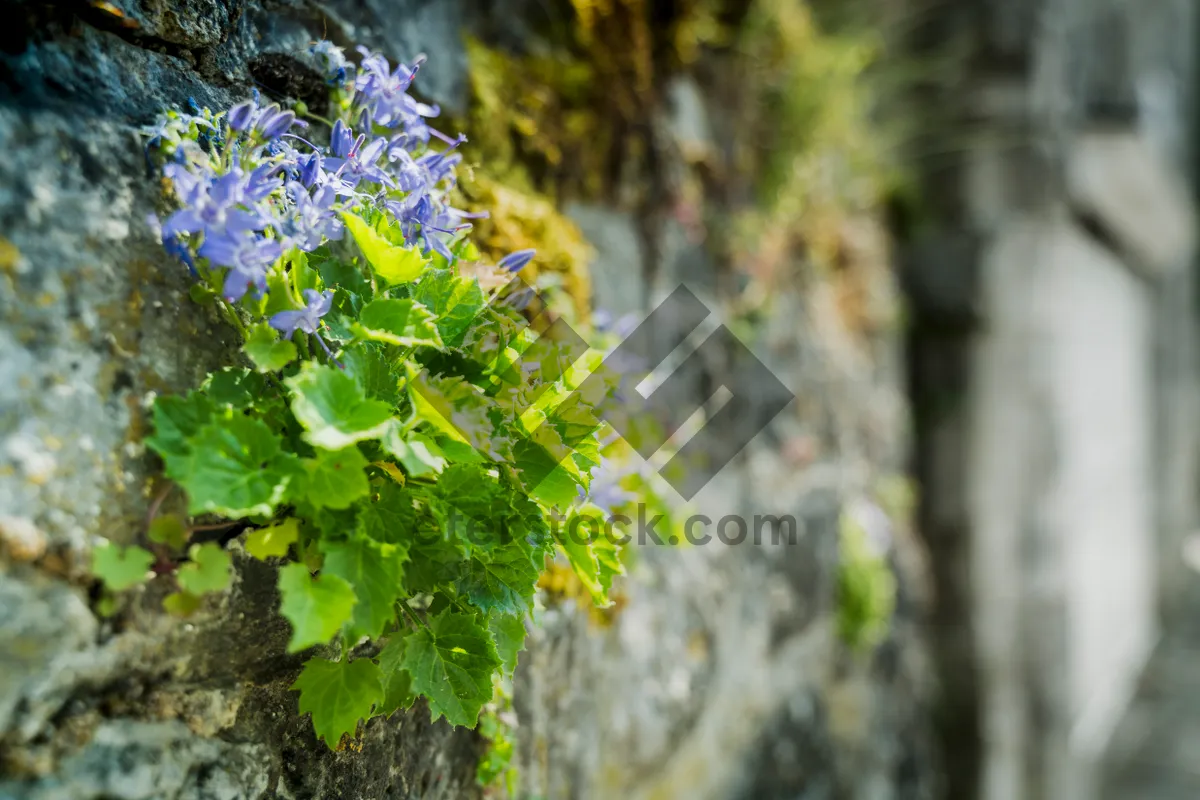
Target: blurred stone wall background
column 724, row 671
column 1053, row 374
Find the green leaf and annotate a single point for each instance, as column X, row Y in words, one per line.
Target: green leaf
column 545, row 478
column 455, row 408
column 339, row 523
column 508, row 634
column 366, row 363
column 452, row 664
column 397, row 683
column 504, row 583
column 169, row 529
column 454, row 299
column 475, row 508
column 201, row 294
column 237, row 387
column 268, row 352
column 334, row 479
column 303, row 276
column 392, row 518
column 177, row 419
column 392, row 263
column 236, row 469
column 278, row 297
column 338, row 694
column 181, row 604
column 336, row 273
column 316, row 607
column 608, row 560
column 375, row 571
column 400, row 322
column 419, row 455
column 208, row 570
column 591, row 553
column 121, row 567
column 332, row 408
column 274, row 541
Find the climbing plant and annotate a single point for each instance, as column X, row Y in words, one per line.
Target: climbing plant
column 394, row 433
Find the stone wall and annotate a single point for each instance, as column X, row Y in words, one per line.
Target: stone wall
column 721, row 674
column 1054, row 373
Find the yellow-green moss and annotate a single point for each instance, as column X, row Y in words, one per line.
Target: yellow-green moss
column 866, row 588
column 825, row 158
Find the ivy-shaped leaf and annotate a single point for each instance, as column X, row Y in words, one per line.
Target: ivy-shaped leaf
column 545, row 478
column 392, row 517
column 418, row 454
column 316, row 607
column 367, row 365
column 397, row 683
column 452, row 663
column 334, row 479
column 454, row 299
column 168, row 529
column 121, row 567
column 393, row 263
column 207, row 571
column 268, row 352
column 375, row 572
column 236, row 469
column 273, row 541
column 504, row 582
column 177, row 419
column 181, row 604
column 333, row 410
column 236, row 387
column 508, row 634
column 405, row 323
column 338, row 694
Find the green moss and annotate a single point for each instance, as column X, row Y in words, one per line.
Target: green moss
column 866, row 588
column 821, row 153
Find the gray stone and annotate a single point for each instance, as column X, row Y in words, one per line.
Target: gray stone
column 617, row 282
column 1128, row 189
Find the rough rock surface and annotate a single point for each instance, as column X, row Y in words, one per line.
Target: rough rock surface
column 720, row 676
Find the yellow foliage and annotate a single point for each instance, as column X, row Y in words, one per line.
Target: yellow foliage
column 522, row 219
column 827, row 158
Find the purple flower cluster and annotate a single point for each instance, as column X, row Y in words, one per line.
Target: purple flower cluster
column 257, row 189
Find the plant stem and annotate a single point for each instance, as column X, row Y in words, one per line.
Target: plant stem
column 152, row 512
column 413, row 615
column 233, row 318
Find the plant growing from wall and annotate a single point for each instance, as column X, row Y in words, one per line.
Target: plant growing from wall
column 396, row 438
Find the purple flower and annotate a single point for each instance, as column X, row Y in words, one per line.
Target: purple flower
column 248, row 258
column 311, row 220
column 270, row 122
column 274, row 122
column 307, row 319
column 420, row 215
column 440, row 166
column 217, row 204
column 408, row 174
column 354, row 162
column 385, row 94
column 310, row 169
column 516, row 261
column 172, row 244
column 241, row 116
